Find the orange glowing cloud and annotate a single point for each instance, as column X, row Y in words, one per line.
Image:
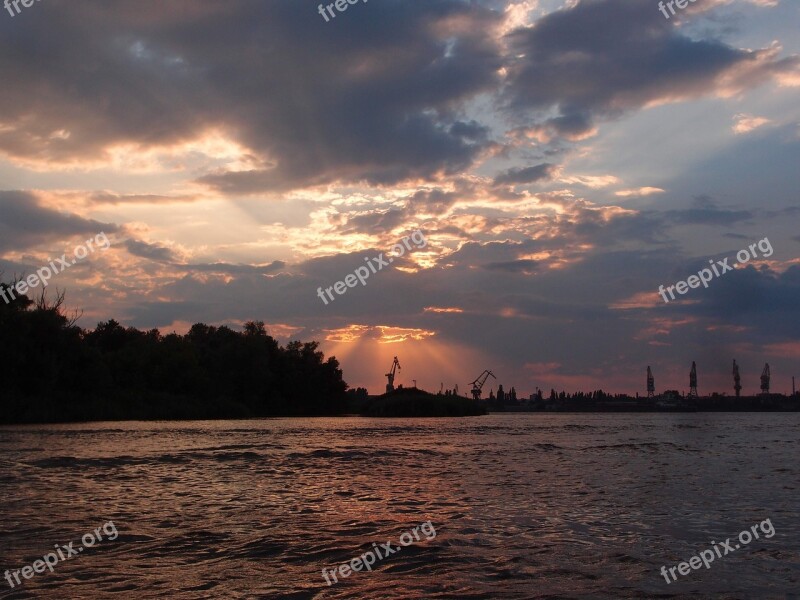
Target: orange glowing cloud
column 394, row 335
column 441, row 309
column 346, row 335
column 382, row 334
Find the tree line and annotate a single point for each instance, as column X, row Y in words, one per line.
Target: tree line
column 56, row 371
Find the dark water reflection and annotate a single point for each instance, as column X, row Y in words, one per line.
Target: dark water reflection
column 524, row 506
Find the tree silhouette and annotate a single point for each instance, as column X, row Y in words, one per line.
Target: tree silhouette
column 61, row 372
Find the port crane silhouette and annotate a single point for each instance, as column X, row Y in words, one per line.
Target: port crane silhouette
column 693, row 381
column 391, row 373
column 737, row 379
column 477, row 385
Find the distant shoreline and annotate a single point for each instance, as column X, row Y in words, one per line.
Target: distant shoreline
column 765, row 403
column 401, row 403
column 10, row 424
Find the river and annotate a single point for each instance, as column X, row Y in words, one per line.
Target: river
column 522, row 505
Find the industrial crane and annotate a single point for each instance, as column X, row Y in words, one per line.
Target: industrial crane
column 765, row 379
column 737, row 379
column 651, row 384
column 477, row 385
column 390, row 375
column 693, row 381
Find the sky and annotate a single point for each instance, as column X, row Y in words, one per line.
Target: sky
column 563, row 159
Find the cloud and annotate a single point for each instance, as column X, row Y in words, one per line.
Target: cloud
column 231, row 269
column 107, row 197
column 642, row 191
column 706, row 212
column 375, row 222
column 403, row 111
column 634, row 60
column 295, row 102
column 149, row 251
column 443, row 309
column 434, row 201
column 26, row 223
column 526, row 266
column 761, row 300
column 526, row 175
column 573, row 127
column 595, row 182
column 745, row 123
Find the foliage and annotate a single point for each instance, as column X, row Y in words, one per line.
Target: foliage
column 56, row 371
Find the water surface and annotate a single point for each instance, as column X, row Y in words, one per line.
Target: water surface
column 524, row 506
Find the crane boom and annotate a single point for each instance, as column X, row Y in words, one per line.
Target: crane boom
column 693, row 381
column 765, row 379
column 390, row 375
column 477, row 385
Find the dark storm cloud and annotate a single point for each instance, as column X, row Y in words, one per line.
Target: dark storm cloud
column 764, row 301
column 515, row 266
column 472, row 131
column 375, row 222
column 162, row 254
column 604, row 57
column 433, row 201
column 25, row 223
column 593, row 226
column 708, row 216
column 149, row 251
column 705, row 211
column 572, row 125
column 475, row 253
column 526, row 174
column 374, row 97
